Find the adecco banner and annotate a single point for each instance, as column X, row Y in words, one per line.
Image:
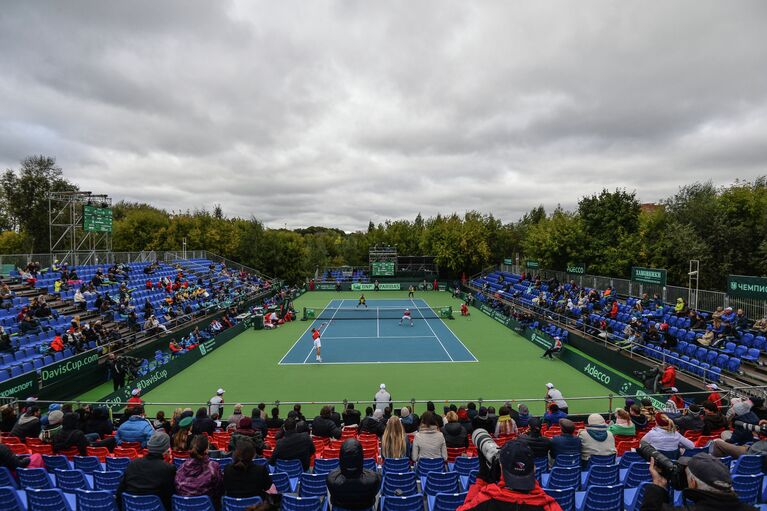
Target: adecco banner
column 532, row 265
column 576, row 268
column 62, row 369
column 325, row 287
column 23, row 386
column 117, row 400
column 652, row 276
column 390, row 286
column 742, row 286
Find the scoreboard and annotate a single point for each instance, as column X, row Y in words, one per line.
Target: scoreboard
column 96, row 219
column 382, row 269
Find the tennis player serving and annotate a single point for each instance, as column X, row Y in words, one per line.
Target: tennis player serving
column 406, row 316
column 317, row 341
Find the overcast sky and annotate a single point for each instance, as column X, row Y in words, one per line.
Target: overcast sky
column 335, row 113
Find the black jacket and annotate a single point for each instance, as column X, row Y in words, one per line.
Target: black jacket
column 371, row 425
column 656, row 499
column 69, row 436
column 10, row 460
column 293, row 446
column 325, row 428
column 351, row 417
column 455, row 435
column 713, row 423
column 688, row 422
column 149, row 475
column 483, row 423
column 203, row 425
column 26, row 426
column 253, row 481
column 99, row 423
column 540, row 445
column 272, row 423
column 350, row 486
column 252, row 435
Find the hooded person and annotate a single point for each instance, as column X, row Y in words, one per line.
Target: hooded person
column 350, row 485
column 596, row 439
column 524, row 415
column 374, row 424
column 517, row 488
column 70, row 436
column 245, row 430
column 481, row 421
column 99, row 422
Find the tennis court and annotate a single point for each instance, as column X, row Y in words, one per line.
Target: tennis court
column 373, row 335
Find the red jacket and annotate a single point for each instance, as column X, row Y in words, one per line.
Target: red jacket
column 495, row 496
column 715, row 398
column 669, row 377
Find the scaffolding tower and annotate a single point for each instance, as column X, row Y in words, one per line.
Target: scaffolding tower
column 68, row 240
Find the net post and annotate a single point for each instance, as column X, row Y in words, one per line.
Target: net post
column 304, row 318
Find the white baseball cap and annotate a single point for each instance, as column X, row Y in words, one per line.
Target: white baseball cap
column 713, row 386
column 135, row 392
column 674, row 389
column 220, row 391
column 556, row 338
column 549, row 385
column 383, row 385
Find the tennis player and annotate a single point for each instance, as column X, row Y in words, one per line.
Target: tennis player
column 406, row 316
column 411, row 291
column 317, row 342
column 362, row 302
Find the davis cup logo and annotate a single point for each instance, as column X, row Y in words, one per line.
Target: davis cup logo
column 733, row 285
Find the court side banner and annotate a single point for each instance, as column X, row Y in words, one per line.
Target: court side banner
column 389, row 286
column 742, row 286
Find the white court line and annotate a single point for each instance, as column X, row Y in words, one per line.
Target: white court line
column 384, row 337
column 432, row 330
column 459, row 340
column 378, row 323
column 387, row 362
column 303, row 334
column 326, row 329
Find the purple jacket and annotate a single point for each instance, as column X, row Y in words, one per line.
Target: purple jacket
column 199, row 477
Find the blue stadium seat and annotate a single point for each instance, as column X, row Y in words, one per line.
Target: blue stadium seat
column 750, row 464
column 600, row 475
column 752, row 355
column 313, row 485
column 107, row 480
column 445, row 501
column 633, row 497
column 9, row 499
column 51, row 499
column 71, row 480
column 142, row 503
column 293, row 468
column 562, row 477
column 36, row 478
column 326, row 466
column 56, row 462
column 198, row 503
column 600, row 498
column 426, row 465
column 88, row 464
column 441, row 482
column 748, row 487
column 398, row 465
column 283, row 482
column 628, row 458
column 233, row 504
column 760, row 342
column 733, row 365
column 403, row 503
column 602, row 459
column 465, row 464
column 95, row 500
column 118, row 464
column 636, row 474
column 402, row 483
column 7, row 479
column 565, row 497
column 293, row 503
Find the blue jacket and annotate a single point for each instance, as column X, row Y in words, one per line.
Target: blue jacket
column 137, row 429
column 565, row 444
column 553, row 418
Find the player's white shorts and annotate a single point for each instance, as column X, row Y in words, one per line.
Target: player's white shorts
column 407, row 318
column 317, row 344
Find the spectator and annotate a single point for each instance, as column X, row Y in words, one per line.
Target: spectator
column 623, row 425
column 7, row 418
column 28, row 424
column 690, row 420
column 202, row 423
column 150, row 474
column 245, row 430
column 258, row 423
column 234, row 419
column 455, row 435
column 740, row 411
column 274, row 421
column 242, row 477
column 596, row 439
column 713, row 420
column 481, row 421
column 505, row 425
column 540, row 445
column 373, row 423
column 566, row 442
column 638, row 418
column 299, row 415
column 351, row 417
column 665, row 438
column 553, row 415
column 382, row 398
column 10, row 460
column 136, row 429
column 293, row 446
column 182, row 439
column 394, row 441
column 323, row 426
column 709, row 486
column 199, row 475
column 216, row 403
column 429, row 441
column 350, row 485
column 68, row 436
column 553, row 395
column 517, row 488
column 524, row 415
column 680, row 309
column 714, row 396
column 668, row 380
column 464, row 420
column 99, row 423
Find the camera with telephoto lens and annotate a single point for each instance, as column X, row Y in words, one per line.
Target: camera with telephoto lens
column 488, row 451
column 669, row 469
column 754, row 428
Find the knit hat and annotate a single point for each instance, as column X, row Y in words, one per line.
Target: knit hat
column 55, row 417
column 185, row 422
column 378, row 414
column 404, row 412
column 596, row 420
column 245, row 423
column 741, row 407
column 159, row 443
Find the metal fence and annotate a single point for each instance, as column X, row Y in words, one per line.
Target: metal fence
column 707, row 300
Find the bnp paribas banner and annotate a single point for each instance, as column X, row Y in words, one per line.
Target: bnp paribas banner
column 390, row 286
column 117, row 400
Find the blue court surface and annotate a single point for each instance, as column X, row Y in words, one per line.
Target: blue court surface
column 379, row 337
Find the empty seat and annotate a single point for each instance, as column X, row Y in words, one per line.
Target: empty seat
column 142, row 503
column 600, row 498
column 51, row 499
column 198, row 503
column 313, row 485
column 441, row 482
column 95, row 500
column 293, row 503
column 108, row 480
column 399, row 483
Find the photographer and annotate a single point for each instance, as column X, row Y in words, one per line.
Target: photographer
column 709, row 486
column 506, row 479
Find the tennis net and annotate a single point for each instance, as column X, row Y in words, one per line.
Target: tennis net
column 333, row 313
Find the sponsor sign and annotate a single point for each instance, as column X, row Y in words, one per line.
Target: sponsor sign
column 500, row 318
column 508, row 261
column 325, row 287
column 539, row 338
column 66, row 368
column 742, row 286
column 531, row 264
column 576, row 268
column 21, row 387
column 652, row 276
column 387, row 286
